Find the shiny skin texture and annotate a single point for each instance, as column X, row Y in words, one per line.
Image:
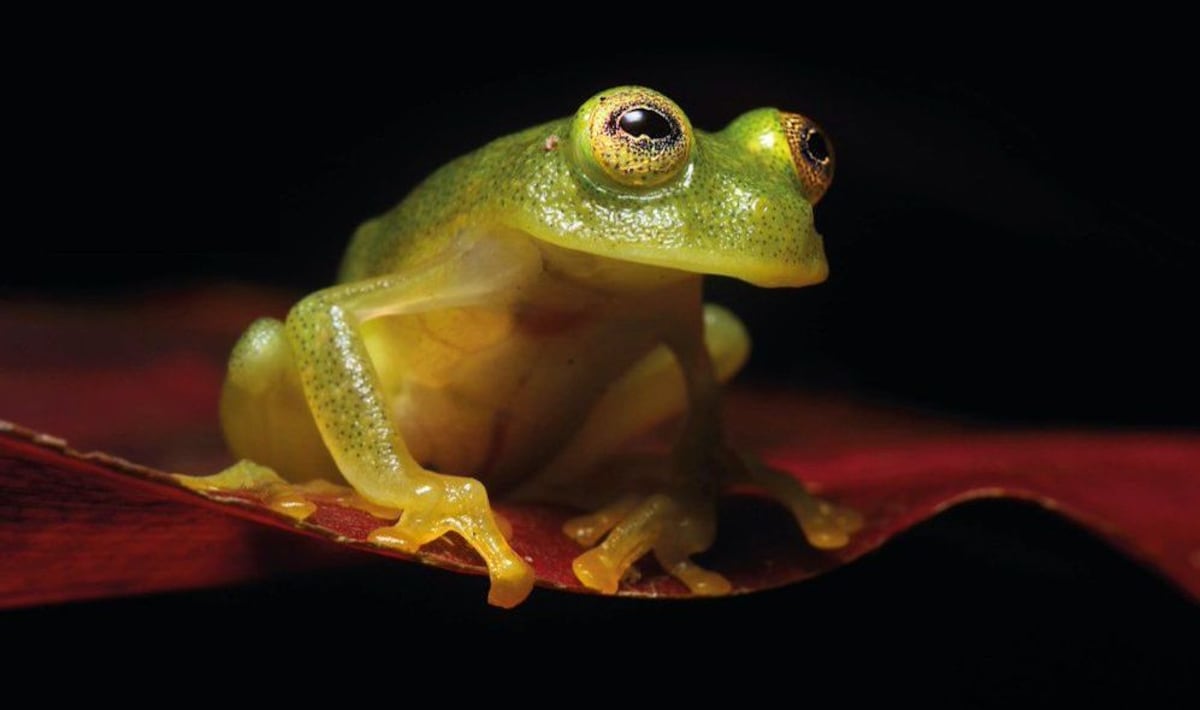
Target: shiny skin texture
column 520, row 316
column 736, row 209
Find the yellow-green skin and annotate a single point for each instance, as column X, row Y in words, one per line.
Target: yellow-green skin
column 739, row 211
column 515, row 320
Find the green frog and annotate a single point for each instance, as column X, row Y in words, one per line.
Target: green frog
column 523, row 314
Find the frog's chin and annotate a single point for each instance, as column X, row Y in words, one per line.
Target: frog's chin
column 767, row 274
column 774, row 275
column 636, row 261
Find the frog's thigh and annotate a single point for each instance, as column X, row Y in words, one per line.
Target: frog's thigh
column 263, row 411
column 650, row 393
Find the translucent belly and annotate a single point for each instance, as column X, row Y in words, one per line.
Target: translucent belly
column 495, row 393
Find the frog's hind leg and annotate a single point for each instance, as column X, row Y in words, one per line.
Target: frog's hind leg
column 827, row 526
column 667, row 508
column 263, row 411
column 268, row 426
column 650, row 509
column 651, row 392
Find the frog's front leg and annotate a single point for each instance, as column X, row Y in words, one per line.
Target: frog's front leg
column 348, row 404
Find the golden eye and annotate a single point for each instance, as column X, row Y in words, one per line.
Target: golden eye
column 635, row 137
column 812, row 154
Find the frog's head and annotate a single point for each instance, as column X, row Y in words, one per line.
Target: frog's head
column 628, row 178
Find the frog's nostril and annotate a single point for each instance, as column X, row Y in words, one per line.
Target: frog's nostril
column 647, row 122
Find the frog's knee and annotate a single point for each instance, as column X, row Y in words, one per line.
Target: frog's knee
column 260, row 359
column 257, row 384
column 727, row 341
column 264, row 415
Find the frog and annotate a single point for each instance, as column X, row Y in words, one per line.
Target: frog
column 523, row 314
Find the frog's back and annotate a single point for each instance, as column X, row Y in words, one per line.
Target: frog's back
column 467, row 192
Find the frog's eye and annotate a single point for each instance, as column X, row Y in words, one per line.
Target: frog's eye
column 632, row 137
column 812, row 154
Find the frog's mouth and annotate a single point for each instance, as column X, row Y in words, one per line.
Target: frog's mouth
column 794, row 262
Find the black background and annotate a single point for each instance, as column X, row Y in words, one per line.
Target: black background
column 1011, row 238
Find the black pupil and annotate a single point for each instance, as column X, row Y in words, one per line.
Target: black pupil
column 645, row 122
column 815, row 148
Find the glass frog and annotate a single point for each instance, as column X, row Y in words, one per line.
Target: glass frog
column 524, row 313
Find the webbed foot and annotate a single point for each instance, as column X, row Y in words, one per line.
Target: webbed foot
column 444, row 504
column 677, row 523
column 826, row 525
column 296, row 500
column 674, row 526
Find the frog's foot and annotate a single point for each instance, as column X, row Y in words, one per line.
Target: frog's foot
column 826, row 525
column 673, row 526
column 455, row 504
column 295, row 500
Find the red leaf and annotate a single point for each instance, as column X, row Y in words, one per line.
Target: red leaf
column 143, row 382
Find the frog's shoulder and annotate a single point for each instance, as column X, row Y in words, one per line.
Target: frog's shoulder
column 470, row 189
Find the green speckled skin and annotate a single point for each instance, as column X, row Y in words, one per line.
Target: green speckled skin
column 738, row 208
column 520, row 316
